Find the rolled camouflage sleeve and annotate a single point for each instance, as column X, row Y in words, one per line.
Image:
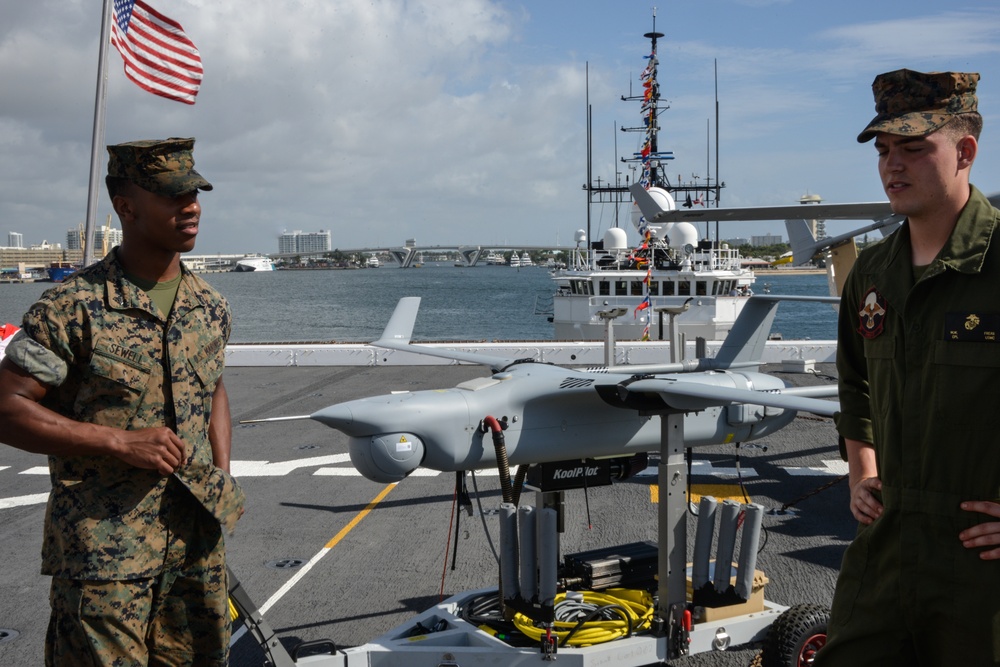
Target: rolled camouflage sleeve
column 32, row 355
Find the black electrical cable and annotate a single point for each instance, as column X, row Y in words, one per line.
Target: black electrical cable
column 486, row 610
column 600, row 612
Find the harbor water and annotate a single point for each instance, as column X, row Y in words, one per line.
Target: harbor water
column 482, row 303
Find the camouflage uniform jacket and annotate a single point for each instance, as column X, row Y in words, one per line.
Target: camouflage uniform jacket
column 109, row 358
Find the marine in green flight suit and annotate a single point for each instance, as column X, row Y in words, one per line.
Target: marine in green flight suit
column 919, row 364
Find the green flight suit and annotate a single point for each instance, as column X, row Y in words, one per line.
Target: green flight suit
column 919, row 365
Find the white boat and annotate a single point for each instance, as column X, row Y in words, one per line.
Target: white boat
column 526, row 259
column 493, row 258
column 515, row 260
column 667, row 267
column 255, row 263
column 371, row 262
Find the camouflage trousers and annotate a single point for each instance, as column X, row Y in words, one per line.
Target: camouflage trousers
column 180, row 617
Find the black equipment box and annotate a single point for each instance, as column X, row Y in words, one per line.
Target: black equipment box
column 627, row 566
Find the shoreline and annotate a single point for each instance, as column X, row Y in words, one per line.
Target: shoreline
column 789, row 272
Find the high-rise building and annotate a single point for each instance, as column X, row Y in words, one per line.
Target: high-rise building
column 766, row 239
column 74, row 238
column 106, row 237
column 304, row 242
column 288, row 242
column 15, row 240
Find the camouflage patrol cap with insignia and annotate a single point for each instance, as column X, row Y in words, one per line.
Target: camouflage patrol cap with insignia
column 162, row 166
column 913, row 104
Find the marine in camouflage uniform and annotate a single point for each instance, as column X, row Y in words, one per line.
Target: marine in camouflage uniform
column 136, row 554
column 919, row 364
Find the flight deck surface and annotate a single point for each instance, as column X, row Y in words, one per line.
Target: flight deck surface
column 328, row 554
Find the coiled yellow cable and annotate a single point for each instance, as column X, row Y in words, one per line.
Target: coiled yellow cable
column 635, row 608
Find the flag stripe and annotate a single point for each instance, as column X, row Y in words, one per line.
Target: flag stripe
column 155, row 84
column 171, row 36
column 166, row 68
column 155, row 69
column 153, row 42
column 158, row 57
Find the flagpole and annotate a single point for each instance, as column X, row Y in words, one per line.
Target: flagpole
column 97, row 143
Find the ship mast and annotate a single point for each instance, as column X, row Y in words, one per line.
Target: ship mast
column 698, row 191
column 649, row 154
column 686, row 193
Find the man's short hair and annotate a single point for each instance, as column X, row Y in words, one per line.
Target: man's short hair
column 966, row 123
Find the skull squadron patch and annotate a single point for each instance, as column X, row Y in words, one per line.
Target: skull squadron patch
column 871, row 316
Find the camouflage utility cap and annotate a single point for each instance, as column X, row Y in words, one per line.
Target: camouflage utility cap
column 162, row 166
column 916, row 103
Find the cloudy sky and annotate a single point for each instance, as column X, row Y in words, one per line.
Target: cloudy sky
column 463, row 121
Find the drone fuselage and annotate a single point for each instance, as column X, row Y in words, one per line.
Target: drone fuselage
column 550, row 413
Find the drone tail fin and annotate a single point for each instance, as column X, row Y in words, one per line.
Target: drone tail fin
column 746, row 340
column 400, row 327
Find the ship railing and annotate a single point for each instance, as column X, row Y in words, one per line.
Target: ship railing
column 630, row 302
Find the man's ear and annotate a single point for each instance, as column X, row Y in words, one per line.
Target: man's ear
column 967, row 148
column 123, row 206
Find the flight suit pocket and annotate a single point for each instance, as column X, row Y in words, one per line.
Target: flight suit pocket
column 964, row 382
column 880, row 356
column 956, row 353
column 113, row 389
column 883, row 347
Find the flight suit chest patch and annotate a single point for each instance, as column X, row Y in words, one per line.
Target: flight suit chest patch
column 871, row 314
column 972, row 327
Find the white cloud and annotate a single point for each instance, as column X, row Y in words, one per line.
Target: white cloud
column 461, row 121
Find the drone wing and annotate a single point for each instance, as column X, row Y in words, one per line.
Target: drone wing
column 853, row 211
column 694, row 396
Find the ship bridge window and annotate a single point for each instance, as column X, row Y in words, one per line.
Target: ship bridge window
column 654, row 288
column 637, row 288
column 621, row 288
column 701, row 288
column 604, row 288
column 668, row 288
column 683, row 288
column 581, row 287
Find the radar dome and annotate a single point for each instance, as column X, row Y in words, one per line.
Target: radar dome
column 580, row 236
column 615, row 239
column 666, row 202
column 682, row 234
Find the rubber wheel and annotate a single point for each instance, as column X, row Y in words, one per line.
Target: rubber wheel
column 794, row 639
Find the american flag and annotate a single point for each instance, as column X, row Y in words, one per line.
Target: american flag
column 158, row 56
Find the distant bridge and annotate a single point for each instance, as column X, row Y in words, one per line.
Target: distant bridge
column 406, row 256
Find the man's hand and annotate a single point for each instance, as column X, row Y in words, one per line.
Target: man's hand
column 865, row 506
column 986, row 534
column 158, row 449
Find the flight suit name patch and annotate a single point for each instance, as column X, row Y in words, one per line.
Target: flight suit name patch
column 871, row 316
column 972, row 327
